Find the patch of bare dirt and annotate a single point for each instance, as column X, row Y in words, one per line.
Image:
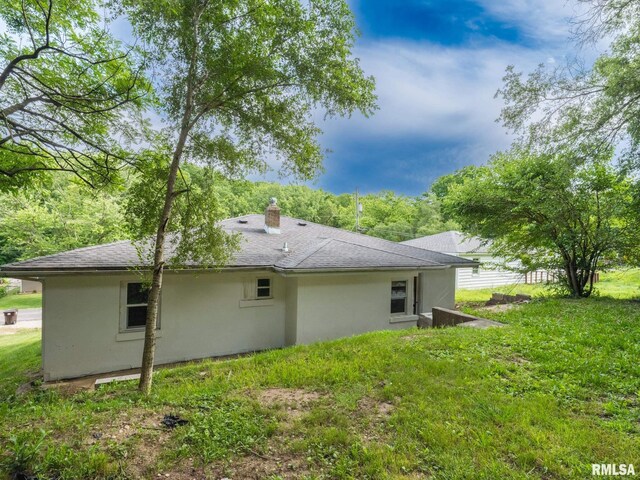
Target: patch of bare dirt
column 294, row 401
column 185, row 470
column 144, row 429
column 288, row 396
column 375, row 414
column 519, row 360
column 71, row 387
column 258, row 466
column 34, row 381
column 379, row 410
column 131, row 423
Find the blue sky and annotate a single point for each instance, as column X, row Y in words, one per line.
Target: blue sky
column 437, row 65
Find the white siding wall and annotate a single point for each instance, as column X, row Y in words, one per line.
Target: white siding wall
column 487, row 276
column 200, row 317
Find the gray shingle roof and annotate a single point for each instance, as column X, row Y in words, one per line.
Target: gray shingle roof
column 311, row 247
column 450, row 242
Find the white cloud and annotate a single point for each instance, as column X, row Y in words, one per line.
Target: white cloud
column 444, row 94
column 548, row 22
column 542, row 20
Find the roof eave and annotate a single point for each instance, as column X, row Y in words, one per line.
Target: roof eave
column 123, row 270
column 358, row 269
column 51, row 272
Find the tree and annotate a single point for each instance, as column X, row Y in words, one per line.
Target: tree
column 67, row 92
column 564, row 110
column 549, row 211
column 430, row 218
column 237, row 80
column 571, row 104
column 604, row 18
column 440, row 186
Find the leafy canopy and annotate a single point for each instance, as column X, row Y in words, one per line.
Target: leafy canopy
column 196, row 237
column 62, row 215
column 68, row 92
column 571, row 104
column 553, row 212
column 257, row 70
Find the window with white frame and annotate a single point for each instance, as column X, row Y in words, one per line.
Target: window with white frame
column 263, row 288
column 399, row 297
column 136, row 302
column 475, row 270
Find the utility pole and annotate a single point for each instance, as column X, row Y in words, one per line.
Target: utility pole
column 358, row 211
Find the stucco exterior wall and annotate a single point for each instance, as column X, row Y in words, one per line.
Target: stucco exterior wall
column 437, row 289
column 291, row 315
column 200, row 316
column 334, row 306
column 213, row 314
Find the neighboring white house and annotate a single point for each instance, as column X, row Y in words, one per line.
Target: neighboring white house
column 485, row 275
column 292, row 282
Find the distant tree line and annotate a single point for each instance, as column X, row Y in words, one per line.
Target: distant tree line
column 62, row 213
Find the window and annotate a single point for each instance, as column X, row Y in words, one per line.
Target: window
column 257, row 292
column 399, row 296
column 263, row 288
column 475, row 270
column 136, row 306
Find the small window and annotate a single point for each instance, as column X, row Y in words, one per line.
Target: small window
column 399, row 297
column 475, row 270
column 263, row 288
column 137, row 300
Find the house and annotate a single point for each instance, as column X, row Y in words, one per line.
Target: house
column 15, row 285
column 30, row 286
column 291, row 282
column 487, row 274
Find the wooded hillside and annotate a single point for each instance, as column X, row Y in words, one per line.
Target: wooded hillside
column 63, row 214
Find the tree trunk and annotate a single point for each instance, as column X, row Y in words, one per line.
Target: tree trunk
column 572, row 280
column 148, row 353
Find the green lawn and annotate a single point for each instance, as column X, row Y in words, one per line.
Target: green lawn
column 615, row 284
column 543, row 398
column 22, row 300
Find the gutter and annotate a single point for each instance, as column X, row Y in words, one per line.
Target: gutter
column 37, row 274
column 309, row 271
column 117, row 271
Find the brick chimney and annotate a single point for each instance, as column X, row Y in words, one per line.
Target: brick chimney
column 272, row 217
